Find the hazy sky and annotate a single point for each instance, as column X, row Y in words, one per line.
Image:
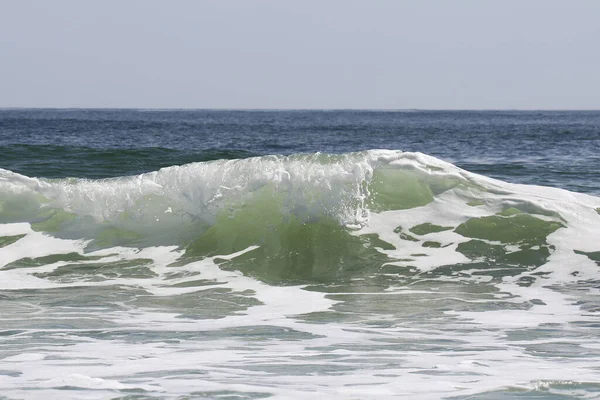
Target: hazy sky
column 478, row 54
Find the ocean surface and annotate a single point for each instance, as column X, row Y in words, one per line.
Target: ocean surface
column 149, row 254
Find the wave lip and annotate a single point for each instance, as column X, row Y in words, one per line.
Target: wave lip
column 344, row 187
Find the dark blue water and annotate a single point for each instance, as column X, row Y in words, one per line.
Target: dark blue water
column 551, row 148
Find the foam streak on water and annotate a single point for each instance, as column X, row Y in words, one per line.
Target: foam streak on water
column 377, row 274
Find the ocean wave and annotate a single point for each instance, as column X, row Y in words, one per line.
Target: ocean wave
column 312, row 217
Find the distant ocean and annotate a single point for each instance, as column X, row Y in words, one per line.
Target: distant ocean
column 150, row 254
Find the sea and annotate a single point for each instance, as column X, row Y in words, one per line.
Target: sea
column 251, row 254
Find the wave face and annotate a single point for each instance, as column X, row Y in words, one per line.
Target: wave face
column 310, row 214
column 351, row 274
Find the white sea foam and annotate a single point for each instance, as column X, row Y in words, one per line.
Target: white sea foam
column 101, row 321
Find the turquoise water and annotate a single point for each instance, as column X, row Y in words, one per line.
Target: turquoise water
column 299, row 254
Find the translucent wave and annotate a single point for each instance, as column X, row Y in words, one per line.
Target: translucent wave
column 313, row 217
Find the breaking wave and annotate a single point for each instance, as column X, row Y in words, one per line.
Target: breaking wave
column 314, row 217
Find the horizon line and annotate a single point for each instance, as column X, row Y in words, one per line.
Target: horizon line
column 300, row 109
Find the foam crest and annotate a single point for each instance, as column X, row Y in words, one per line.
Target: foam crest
column 335, row 185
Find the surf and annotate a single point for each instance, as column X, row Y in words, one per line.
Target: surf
column 318, row 218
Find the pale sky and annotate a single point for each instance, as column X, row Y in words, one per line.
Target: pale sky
column 375, row 54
